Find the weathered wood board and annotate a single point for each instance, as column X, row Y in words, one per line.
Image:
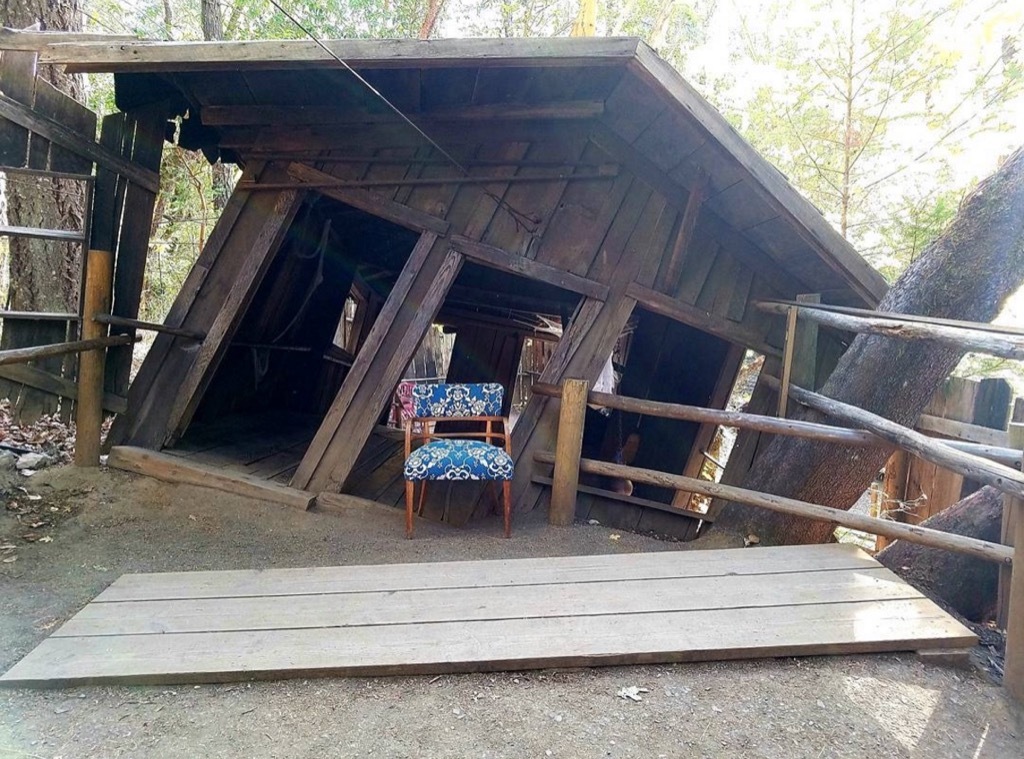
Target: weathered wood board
column 675, row 606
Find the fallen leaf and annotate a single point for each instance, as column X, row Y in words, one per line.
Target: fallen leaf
column 9, row 560
column 615, row 536
column 632, row 693
column 46, row 539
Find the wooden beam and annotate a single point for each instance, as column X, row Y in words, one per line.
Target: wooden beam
column 410, row 218
column 787, row 363
column 162, row 466
column 998, row 329
column 99, row 283
column 912, row 533
column 972, row 433
column 40, row 379
column 568, row 447
column 496, row 258
column 60, row 235
column 243, row 288
column 674, row 268
column 305, row 115
column 396, row 334
column 82, row 145
column 1005, row 346
column 360, row 54
column 1012, row 587
column 332, row 183
column 33, row 41
column 1003, row 478
column 38, row 316
column 23, row 355
column 695, row 317
column 122, row 321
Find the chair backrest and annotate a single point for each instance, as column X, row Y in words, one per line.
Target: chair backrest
column 457, row 400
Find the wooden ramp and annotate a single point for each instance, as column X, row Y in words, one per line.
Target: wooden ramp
column 488, row 615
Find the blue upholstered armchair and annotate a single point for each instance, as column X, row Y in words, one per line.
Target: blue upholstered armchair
column 485, row 455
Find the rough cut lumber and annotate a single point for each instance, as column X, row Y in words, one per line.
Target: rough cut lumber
column 60, row 235
column 301, row 115
column 913, row 533
column 271, row 233
column 1013, row 528
column 161, row 466
column 353, row 414
column 23, row 355
column 495, row 257
column 1005, row 346
column 1003, row 478
column 327, row 184
column 55, row 132
column 99, row 282
column 696, row 317
column 998, row 329
column 41, row 379
column 572, row 412
column 364, row 200
column 360, row 54
column 33, row 41
column 488, row 615
column 972, row 433
column 123, row 321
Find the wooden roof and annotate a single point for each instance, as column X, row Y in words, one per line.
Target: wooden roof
column 291, row 97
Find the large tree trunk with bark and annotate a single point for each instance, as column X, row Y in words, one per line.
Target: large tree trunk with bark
column 44, row 276
column 966, row 584
column 967, row 273
column 212, row 19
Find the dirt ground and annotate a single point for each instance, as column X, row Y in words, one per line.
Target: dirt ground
column 104, row 524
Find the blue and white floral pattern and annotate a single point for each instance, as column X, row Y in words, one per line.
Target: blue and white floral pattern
column 478, row 399
column 452, row 459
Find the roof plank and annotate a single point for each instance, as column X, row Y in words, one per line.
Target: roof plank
column 97, row 57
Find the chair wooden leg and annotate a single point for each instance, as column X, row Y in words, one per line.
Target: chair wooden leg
column 409, row 485
column 506, row 488
column 423, row 497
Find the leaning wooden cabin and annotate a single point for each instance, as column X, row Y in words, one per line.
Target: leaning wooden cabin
column 579, row 182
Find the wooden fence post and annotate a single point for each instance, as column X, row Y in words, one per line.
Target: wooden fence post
column 1013, row 534
column 568, row 448
column 99, row 278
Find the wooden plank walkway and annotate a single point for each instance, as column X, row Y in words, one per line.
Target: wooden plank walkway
column 677, row 606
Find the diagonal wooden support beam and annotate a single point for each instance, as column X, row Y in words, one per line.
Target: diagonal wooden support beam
column 247, row 233
column 396, row 334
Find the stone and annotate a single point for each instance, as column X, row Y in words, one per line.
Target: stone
column 33, row 461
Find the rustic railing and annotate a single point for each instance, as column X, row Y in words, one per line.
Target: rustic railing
column 997, row 466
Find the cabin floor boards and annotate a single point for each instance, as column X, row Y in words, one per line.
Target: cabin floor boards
column 395, row 619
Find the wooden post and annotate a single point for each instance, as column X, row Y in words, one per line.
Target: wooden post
column 897, row 469
column 787, row 361
column 1013, row 534
column 805, row 347
column 99, row 278
column 568, row 448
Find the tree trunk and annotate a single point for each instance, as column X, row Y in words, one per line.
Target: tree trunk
column 966, row 584
column 44, row 275
column 212, row 19
column 434, row 8
column 967, row 273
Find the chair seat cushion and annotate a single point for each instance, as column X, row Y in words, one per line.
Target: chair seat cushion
column 458, row 460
